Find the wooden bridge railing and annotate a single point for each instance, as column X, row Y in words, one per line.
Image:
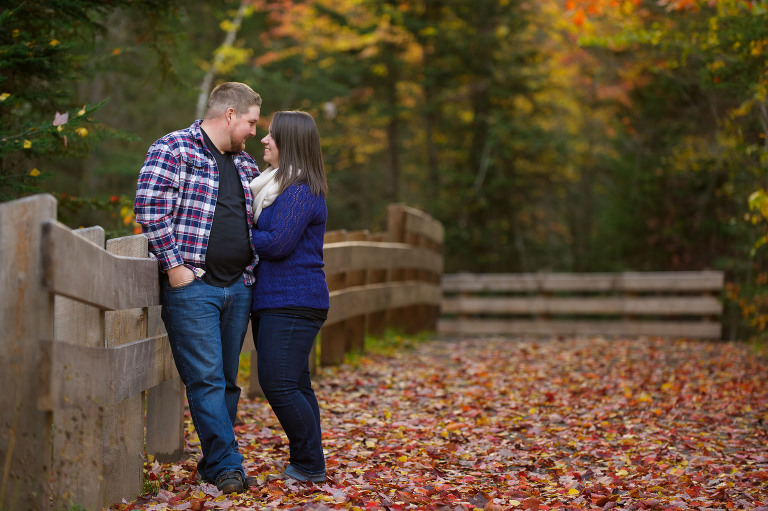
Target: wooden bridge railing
column 665, row 304
column 84, row 353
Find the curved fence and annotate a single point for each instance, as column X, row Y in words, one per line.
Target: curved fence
column 89, row 383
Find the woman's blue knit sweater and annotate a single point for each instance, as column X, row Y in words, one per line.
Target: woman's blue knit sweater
column 289, row 242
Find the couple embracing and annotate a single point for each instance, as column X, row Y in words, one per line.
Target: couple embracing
column 235, row 244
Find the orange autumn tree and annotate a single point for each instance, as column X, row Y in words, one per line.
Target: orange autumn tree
column 429, row 103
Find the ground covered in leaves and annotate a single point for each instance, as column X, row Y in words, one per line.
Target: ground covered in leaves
column 530, row 424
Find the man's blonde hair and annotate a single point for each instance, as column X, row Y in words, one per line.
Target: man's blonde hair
column 231, row 95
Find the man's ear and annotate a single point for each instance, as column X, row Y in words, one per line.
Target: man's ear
column 230, row 114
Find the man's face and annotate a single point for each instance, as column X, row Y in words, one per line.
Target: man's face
column 241, row 127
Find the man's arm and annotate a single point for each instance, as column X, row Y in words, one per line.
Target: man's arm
column 156, row 192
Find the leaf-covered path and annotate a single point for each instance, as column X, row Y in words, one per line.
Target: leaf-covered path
column 516, row 424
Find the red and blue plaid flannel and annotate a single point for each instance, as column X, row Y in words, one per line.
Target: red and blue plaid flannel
column 176, row 196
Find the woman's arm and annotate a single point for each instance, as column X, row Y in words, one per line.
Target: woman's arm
column 290, row 214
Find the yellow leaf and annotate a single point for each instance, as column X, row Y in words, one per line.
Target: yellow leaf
column 402, row 459
column 27, row 144
column 4, row 96
column 514, row 502
column 81, row 112
column 744, row 109
column 622, row 473
column 34, row 172
column 54, row 42
column 228, row 26
column 379, row 69
column 573, row 491
column 83, row 132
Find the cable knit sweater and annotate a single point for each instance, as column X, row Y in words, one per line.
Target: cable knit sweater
column 289, row 242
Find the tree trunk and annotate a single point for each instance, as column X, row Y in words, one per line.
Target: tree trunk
column 205, row 86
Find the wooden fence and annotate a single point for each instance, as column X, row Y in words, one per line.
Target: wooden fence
column 666, row 304
column 89, row 385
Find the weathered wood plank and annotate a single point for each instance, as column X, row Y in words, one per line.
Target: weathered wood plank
column 335, row 236
column 368, row 255
column 396, row 223
column 25, row 438
column 688, row 329
column 673, row 281
column 351, row 302
column 354, row 327
column 105, row 376
column 657, row 305
column 591, row 282
column 165, row 406
column 332, row 336
column 421, row 223
column 124, row 421
column 78, row 449
column 64, row 273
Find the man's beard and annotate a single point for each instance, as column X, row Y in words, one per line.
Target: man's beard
column 236, row 146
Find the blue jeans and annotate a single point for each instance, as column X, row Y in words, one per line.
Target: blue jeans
column 206, row 326
column 283, row 344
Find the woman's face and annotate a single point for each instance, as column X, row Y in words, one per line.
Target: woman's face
column 271, row 154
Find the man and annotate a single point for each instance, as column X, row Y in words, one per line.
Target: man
column 195, row 207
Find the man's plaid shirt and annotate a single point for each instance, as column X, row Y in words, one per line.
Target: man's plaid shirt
column 176, row 195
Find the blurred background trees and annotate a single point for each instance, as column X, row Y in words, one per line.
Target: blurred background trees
column 580, row 135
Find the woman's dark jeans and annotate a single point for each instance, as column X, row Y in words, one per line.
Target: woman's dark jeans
column 283, row 344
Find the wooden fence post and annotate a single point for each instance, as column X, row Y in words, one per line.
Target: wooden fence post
column 376, row 322
column 165, row 407
column 254, row 387
column 124, row 422
column 332, row 337
column 397, row 317
column 25, row 431
column 78, row 449
column 354, row 328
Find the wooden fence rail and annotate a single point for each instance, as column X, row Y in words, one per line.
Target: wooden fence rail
column 666, row 304
column 84, row 352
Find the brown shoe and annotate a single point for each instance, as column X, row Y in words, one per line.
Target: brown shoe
column 230, row 481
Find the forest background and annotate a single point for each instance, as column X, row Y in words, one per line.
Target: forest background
column 580, row 135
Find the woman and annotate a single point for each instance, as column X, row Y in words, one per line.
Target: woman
column 290, row 296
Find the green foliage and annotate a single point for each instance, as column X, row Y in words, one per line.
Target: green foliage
column 392, row 344
column 150, row 487
column 694, row 147
column 635, row 149
column 48, row 49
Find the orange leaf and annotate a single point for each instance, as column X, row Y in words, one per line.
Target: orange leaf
column 579, row 18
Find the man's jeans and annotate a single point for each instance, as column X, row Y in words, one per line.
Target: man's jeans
column 283, row 344
column 206, row 326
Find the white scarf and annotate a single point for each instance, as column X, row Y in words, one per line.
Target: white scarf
column 265, row 190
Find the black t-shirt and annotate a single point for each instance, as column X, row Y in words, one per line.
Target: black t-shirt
column 229, row 246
